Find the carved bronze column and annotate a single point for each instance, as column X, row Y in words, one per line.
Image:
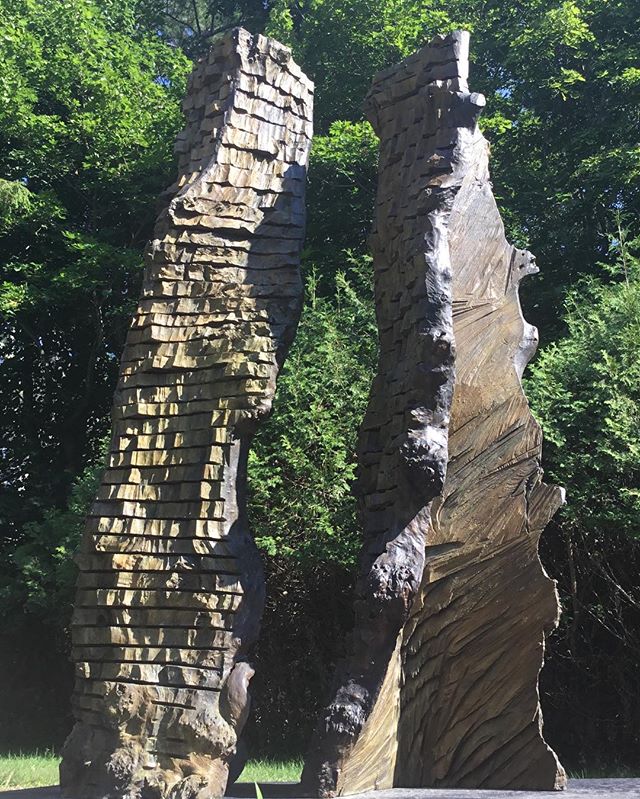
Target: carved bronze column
column 440, row 687
column 170, row 591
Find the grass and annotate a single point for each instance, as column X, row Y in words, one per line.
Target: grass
column 615, row 772
column 38, row 770
column 28, row 771
column 272, row 771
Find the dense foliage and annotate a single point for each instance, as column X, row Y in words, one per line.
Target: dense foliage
column 585, row 388
column 309, row 441
column 89, row 106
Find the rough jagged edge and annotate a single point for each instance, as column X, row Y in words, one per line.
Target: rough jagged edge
column 526, row 349
column 174, row 200
column 388, row 582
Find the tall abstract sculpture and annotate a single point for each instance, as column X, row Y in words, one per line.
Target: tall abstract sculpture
column 440, row 686
column 170, row 590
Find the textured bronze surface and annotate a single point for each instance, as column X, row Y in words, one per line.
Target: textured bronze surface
column 440, row 687
column 170, row 591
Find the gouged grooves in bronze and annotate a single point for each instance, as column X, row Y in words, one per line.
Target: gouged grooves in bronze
column 440, row 685
column 170, row 590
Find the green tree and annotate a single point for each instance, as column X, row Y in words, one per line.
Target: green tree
column 89, row 107
column 585, row 389
column 302, row 465
column 302, row 469
column 192, row 24
column 41, row 583
column 340, row 198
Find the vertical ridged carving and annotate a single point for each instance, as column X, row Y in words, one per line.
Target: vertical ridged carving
column 440, row 684
column 170, row 591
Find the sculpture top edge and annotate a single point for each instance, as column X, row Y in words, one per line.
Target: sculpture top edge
column 443, row 63
column 240, row 37
column 239, row 66
column 440, row 50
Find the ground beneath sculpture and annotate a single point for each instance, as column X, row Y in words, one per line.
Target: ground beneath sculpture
column 577, row 789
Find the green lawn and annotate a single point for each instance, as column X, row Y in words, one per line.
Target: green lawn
column 615, row 772
column 28, row 771
column 272, row 771
column 33, row 771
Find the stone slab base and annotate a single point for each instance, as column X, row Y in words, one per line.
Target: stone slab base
column 577, row 789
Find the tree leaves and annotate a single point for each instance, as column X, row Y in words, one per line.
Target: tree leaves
column 302, row 465
column 585, row 388
column 85, row 146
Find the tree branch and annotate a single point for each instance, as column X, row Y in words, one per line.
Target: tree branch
column 194, row 5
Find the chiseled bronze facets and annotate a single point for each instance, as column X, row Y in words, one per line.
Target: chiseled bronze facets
column 171, row 589
column 440, row 687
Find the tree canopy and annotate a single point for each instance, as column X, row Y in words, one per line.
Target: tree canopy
column 89, row 107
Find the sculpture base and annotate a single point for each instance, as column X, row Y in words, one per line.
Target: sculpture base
column 577, row 789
